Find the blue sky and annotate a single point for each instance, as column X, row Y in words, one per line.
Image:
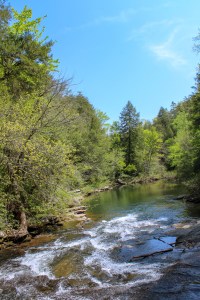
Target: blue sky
column 120, row 50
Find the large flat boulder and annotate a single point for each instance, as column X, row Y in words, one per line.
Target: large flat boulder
column 130, row 252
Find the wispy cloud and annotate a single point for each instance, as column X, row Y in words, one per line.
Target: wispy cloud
column 169, row 49
column 125, row 15
column 150, row 27
column 165, row 51
column 122, row 17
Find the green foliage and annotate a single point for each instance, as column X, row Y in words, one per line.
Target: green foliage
column 23, row 23
column 26, row 62
column 195, row 132
column 180, row 148
column 129, row 123
column 33, row 163
column 163, row 123
column 35, row 157
column 193, row 184
column 150, row 148
column 184, row 148
column 130, row 169
column 87, row 134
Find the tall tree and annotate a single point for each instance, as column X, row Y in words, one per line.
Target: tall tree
column 34, row 159
column 88, row 135
column 163, row 123
column 129, row 121
column 26, row 61
column 180, row 148
column 195, row 118
column 151, row 146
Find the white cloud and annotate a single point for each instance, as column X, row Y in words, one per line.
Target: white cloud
column 123, row 17
column 149, row 28
column 166, row 52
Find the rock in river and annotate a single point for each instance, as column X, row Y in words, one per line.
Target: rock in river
column 130, row 251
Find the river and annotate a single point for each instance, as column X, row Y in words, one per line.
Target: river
column 77, row 262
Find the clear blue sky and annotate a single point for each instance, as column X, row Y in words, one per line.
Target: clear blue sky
column 120, row 50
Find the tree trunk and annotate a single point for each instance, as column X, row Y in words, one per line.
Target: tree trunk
column 17, row 209
column 23, row 223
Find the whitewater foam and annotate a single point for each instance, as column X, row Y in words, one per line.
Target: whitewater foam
column 101, row 241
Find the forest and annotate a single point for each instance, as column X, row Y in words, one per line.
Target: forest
column 53, row 141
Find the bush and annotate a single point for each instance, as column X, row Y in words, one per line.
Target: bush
column 130, row 170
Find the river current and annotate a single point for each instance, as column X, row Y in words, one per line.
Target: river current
column 99, row 254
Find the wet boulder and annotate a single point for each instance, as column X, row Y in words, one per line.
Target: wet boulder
column 132, row 250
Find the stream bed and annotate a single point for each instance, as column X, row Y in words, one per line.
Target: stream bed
column 126, row 245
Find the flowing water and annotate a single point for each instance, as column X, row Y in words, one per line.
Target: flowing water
column 77, row 261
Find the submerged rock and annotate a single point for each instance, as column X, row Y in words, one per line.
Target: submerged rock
column 132, row 250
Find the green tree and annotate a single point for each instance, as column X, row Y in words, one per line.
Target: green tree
column 163, row 123
column 5, row 16
column 195, row 119
column 34, row 157
column 180, row 148
column 31, row 162
column 129, row 122
column 26, row 61
column 151, row 145
column 115, row 135
column 116, row 151
column 88, row 135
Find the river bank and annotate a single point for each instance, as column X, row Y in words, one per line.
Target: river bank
column 75, row 210
column 74, row 213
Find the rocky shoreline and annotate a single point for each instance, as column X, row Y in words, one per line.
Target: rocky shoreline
column 75, row 212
